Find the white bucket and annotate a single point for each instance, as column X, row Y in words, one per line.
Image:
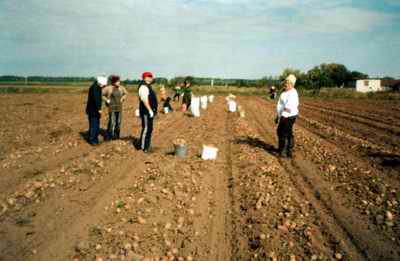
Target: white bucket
column 209, row 153
column 195, row 106
column 203, row 102
column 232, row 106
column 211, row 98
column 166, row 110
column 137, row 113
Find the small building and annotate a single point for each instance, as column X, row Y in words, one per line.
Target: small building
column 371, row 85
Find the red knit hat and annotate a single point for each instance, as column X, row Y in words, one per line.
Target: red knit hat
column 147, row 74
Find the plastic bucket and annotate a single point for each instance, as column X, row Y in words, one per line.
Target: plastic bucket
column 181, row 150
column 209, row 153
column 166, row 110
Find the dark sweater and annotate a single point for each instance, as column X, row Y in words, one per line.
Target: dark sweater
column 152, row 100
column 93, row 105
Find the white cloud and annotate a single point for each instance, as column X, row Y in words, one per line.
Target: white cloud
column 216, row 37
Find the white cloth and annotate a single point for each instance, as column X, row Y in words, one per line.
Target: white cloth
column 101, row 80
column 232, row 106
column 144, row 93
column 288, row 100
column 195, row 106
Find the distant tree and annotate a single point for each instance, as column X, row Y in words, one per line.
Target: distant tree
column 318, row 77
column 161, row 80
column 268, row 81
column 388, row 78
column 11, row 78
column 355, row 75
column 337, row 72
column 301, row 82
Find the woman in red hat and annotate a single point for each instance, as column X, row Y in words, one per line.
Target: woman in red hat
column 147, row 109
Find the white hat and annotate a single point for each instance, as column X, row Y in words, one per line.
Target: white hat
column 291, row 79
column 101, row 80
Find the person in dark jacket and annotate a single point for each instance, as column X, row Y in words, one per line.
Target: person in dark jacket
column 167, row 104
column 147, row 110
column 187, row 95
column 272, row 93
column 93, row 109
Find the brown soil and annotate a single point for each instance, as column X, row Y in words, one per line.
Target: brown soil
column 61, row 199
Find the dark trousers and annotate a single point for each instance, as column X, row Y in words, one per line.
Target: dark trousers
column 177, row 95
column 94, row 129
column 285, row 134
column 147, row 130
column 114, row 125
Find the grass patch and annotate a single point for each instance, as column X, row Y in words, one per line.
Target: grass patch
column 264, row 174
column 24, row 90
column 23, row 221
column 120, row 204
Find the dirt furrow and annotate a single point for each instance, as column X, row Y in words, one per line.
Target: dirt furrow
column 359, row 237
column 329, row 222
column 79, row 202
column 369, row 122
column 380, row 138
column 184, row 202
column 370, row 108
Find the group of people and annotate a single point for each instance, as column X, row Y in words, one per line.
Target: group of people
column 184, row 90
column 115, row 95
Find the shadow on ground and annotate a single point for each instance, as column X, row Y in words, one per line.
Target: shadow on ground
column 386, row 159
column 257, row 143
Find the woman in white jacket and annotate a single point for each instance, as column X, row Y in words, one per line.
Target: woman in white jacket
column 287, row 109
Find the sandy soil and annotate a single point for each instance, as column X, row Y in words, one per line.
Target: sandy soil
column 338, row 199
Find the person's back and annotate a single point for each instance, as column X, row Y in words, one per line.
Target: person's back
column 94, row 98
column 167, row 104
column 93, row 109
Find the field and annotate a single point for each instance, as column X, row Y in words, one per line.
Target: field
column 338, row 199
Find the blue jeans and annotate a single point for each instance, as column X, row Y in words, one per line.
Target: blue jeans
column 114, row 125
column 94, row 129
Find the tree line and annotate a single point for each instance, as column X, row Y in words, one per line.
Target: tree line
column 324, row 75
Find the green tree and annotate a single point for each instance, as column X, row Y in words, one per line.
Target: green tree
column 301, row 81
column 337, row 72
column 318, row 77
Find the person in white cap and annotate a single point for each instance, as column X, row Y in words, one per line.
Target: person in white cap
column 93, row 109
column 287, row 109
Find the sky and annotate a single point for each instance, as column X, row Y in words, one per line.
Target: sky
column 209, row 38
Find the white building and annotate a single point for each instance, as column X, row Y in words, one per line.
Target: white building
column 370, row 85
